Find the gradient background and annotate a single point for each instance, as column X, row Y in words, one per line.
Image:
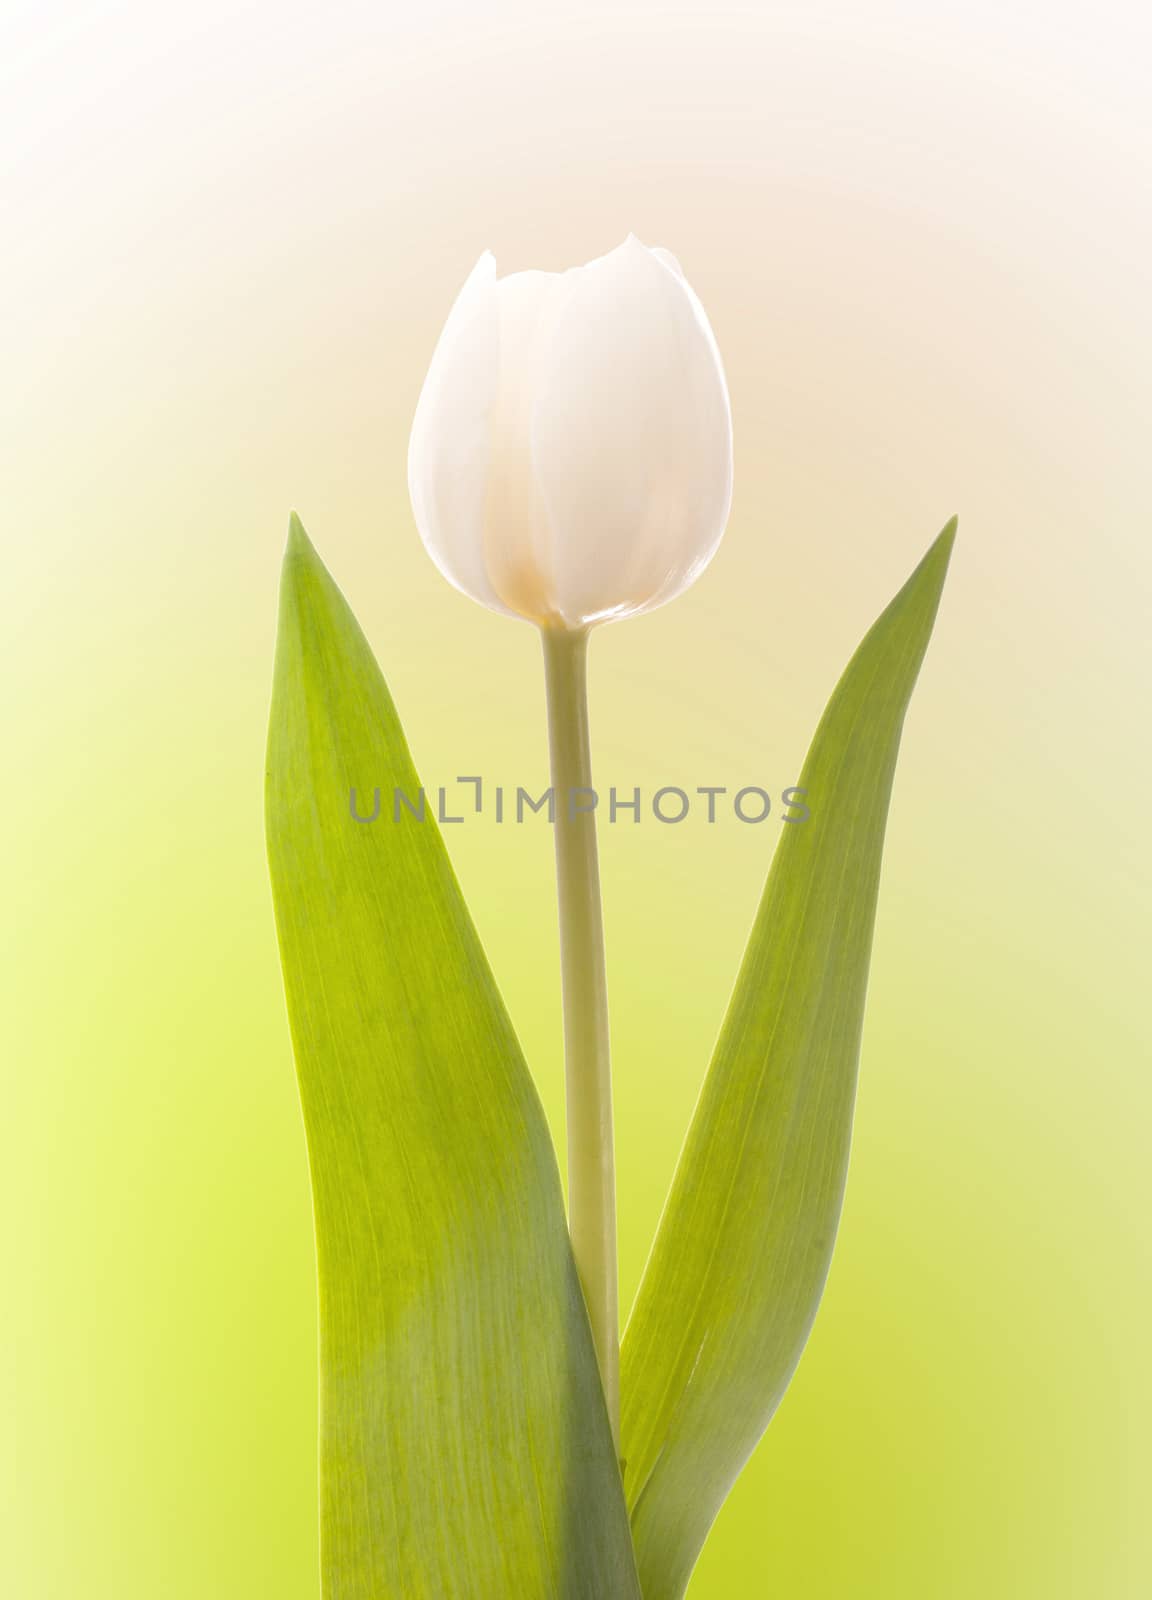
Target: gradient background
column 231, row 235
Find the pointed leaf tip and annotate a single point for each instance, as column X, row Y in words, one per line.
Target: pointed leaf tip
column 298, row 541
column 946, row 538
column 939, row 552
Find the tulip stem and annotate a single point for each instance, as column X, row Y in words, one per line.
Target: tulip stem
column 588, row 1072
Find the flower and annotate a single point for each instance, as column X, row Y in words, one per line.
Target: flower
column 571, row 454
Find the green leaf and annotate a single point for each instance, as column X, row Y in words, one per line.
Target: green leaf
column 743, row 1249
column 464, row 1443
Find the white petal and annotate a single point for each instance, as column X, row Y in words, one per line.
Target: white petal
column 517, row 545
column 449, row 451
column 669, row 260
column 631, row 436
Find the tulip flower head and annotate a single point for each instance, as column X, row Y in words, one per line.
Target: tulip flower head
column 571, row 454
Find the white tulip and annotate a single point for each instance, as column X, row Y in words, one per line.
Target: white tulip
column 571, row 454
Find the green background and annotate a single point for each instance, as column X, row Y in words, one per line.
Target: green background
column 231, row 239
